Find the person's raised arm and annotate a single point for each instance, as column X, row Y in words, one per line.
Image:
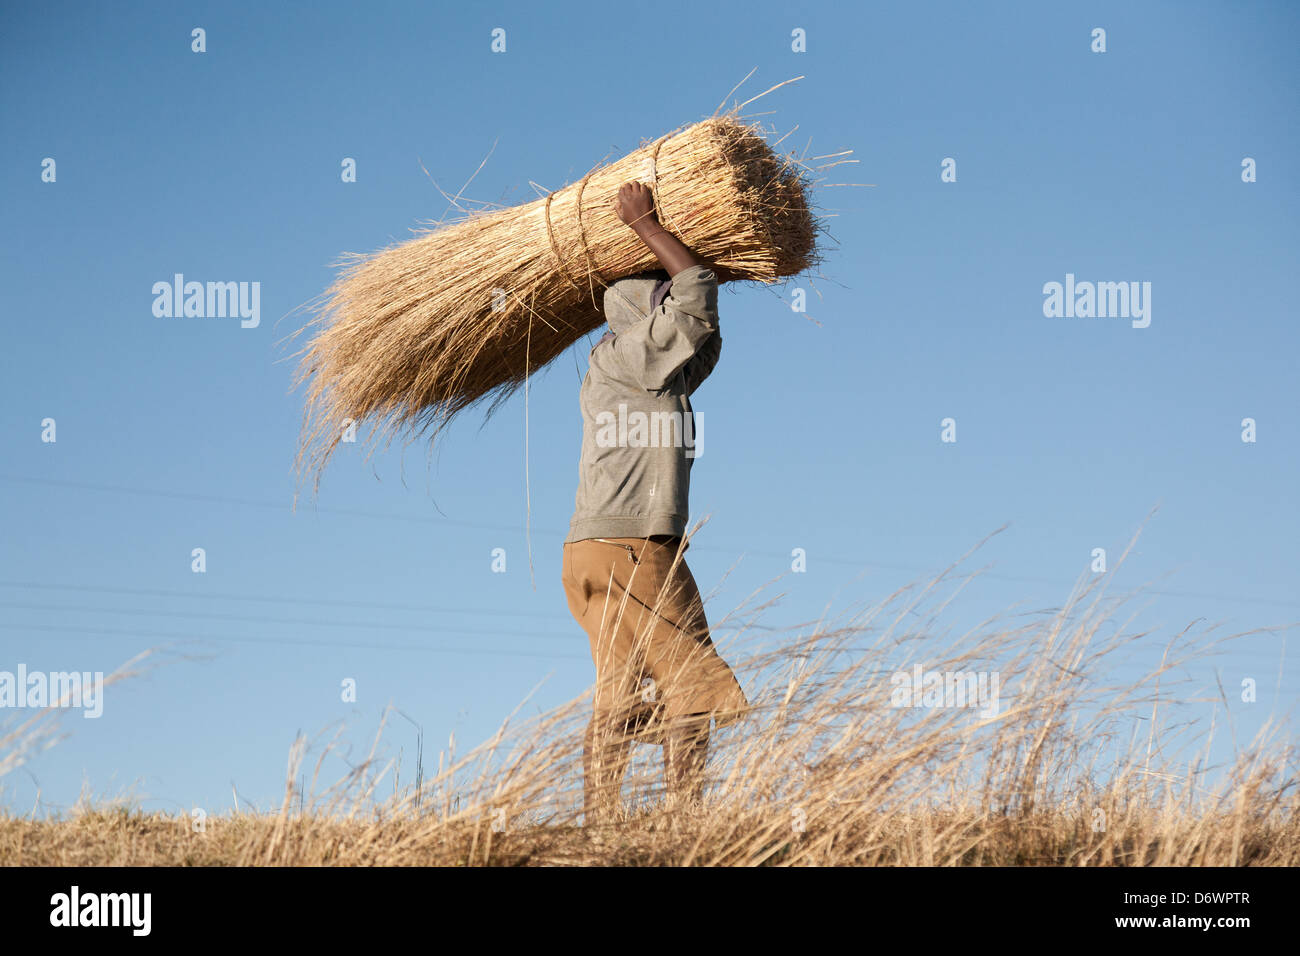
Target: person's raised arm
column 635, row 205
column 699, row 366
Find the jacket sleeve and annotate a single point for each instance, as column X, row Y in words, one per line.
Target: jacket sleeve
column 654, row 350
column 699, row 366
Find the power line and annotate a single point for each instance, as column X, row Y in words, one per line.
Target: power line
column 269, row 620
column 471, row 651
column 227, row 595
column 257, row 503
column 516, row 529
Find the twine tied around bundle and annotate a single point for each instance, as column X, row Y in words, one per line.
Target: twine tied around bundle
column 651, row 173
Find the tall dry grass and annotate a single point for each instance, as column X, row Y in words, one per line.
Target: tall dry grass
column 1075, row 768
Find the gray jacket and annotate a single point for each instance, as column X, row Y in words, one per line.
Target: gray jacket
column 639, row 432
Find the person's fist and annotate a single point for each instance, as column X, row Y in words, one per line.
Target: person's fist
column 635, row 203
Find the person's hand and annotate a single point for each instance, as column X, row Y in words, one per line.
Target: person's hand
column 635, row 205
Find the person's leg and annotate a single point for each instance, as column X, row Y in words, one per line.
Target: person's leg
column 606, row 752
column 595, row 582
column 691, row 681
column 686, row 749
column 682, row 656
column 644, row 616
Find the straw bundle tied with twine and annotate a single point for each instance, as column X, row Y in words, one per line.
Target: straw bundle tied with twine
column 414, row 334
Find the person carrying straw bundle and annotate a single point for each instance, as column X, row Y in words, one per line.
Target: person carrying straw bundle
column 658, row 676
column 410, row 337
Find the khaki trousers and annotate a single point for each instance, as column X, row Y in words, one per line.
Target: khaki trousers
column 644, row 618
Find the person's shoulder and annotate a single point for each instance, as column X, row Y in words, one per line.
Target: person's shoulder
column 602, row 353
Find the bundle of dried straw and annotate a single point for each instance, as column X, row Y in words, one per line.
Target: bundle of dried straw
column 414, row 334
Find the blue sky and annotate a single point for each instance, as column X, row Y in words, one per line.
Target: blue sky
column 174, row 434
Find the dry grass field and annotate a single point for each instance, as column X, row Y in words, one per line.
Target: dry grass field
column 1070, row 768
